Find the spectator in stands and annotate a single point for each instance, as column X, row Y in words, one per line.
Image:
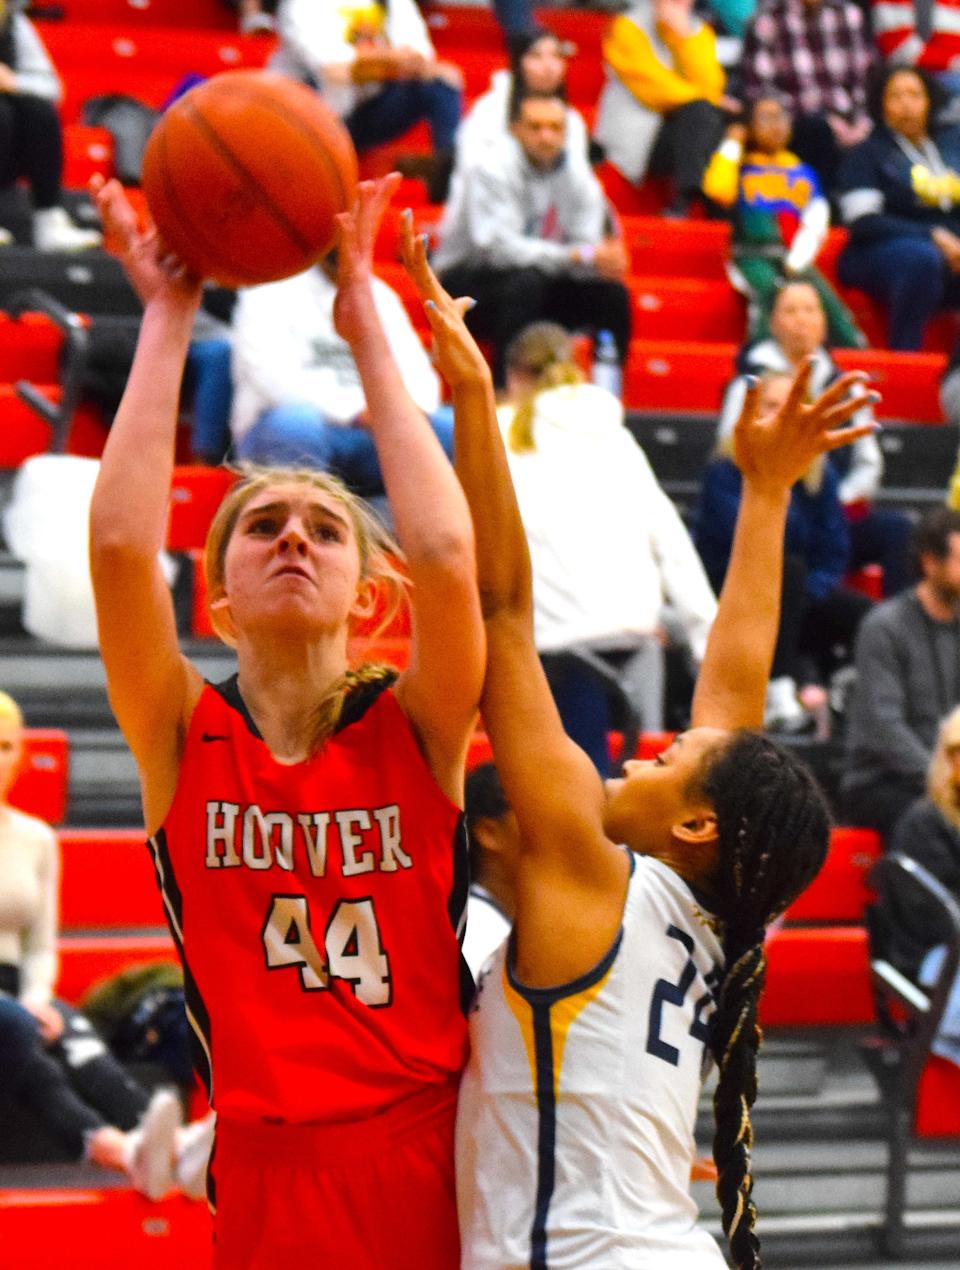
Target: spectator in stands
column 376, row 67
column 907, row 659
column 757, row 177
column 659, row 111
column 18, row 1035
column 297, row 392
column 70, row 1080
column 31, row 139
column 919, row 34
column 815, row 55
column 494, row 844
column 799, row 330
column 913, row 926
column 819, row 614
column 605, row 574
column 525, row 234
column 900, row 198
column 538, row 64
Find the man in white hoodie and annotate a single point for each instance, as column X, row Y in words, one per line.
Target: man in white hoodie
column 525, row 234
column 297, row 393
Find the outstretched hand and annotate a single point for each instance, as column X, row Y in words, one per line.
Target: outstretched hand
column 154, row 273
column 455, row 351
column 774, row 452
column 358, row 229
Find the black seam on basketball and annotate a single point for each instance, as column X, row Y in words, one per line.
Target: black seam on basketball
column 293, row 121
column 246, row 178
column 214, row 246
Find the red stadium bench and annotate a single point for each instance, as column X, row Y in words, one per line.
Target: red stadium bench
column 677, row 375
column 909, row 382
column 686, row 309
column 840, row 893
column 107, row 880
column 29, row 348
column 817, row 978
column 87, row 152
column 23, row 433
column 41, row 784
column 195, row 495
column 85, row 960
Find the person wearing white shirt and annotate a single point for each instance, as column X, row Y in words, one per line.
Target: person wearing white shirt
column 297, row 392
column 609, row 552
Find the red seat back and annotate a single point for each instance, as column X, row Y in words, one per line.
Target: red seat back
column 41, row 784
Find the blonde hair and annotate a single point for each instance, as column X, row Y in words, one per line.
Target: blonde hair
column 378, row 554
column 544, row 351
column 941, row 789
column 10, row 712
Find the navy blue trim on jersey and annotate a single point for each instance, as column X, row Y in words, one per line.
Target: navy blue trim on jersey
column 197, row 1016
column 358, row 701
column 546, row 1134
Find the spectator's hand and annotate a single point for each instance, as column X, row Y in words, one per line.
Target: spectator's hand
column 8, row 80
column 736, row 132
column 455, row 351
column 49, row 1022
column 353, row 308
column 732, row 106
column 674, row 14
column 949, row 245
column 409, row 64
column 773, row 453
column 155, row 274
column 610, row 259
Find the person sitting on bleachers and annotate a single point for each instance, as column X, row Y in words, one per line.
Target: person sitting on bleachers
column 816, row 56
column 819, row 614
column 297, row 393
column 659, row 111
column 900, row 199
column 538, row 64
column 526, row 235
column 763, row 184
column 609, row 552
column 376, row 67
column 798, row 329
column 907, row 659
column 31, row 138
column 70, row 1080
column 912, row 924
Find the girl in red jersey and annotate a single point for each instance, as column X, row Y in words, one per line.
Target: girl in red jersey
column 304, row 817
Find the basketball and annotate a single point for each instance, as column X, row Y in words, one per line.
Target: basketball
column 244, row 174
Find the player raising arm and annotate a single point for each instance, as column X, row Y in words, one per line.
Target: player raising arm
column 641, row 905
column 305, row 814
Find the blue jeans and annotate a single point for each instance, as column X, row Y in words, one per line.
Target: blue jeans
column 909, row 276
column 297, row 434
column 19, row 1038
column 207, row 378
column 400, row 105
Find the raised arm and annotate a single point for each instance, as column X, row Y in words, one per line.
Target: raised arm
column 772, row 454
column 552, row 786
column 440, row 690
column 151, row 687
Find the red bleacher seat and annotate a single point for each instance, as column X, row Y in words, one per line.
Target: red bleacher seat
column 85, row 960
column 686, row 309
column 938, row 1099
column 909, row 382
column 840, row 892
column 817, row 977
column 87, row 152
column 195, row 495
column 676, row 248
column 23, row 433
column 29, row 348
column 41, row 784
column 868, row 581
column 676, row 375
column 107, row 880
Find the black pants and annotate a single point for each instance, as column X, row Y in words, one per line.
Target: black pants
column 75, row 1086
column 31, row 146
column 816, row 635
column 510, row 299
column 687, row 138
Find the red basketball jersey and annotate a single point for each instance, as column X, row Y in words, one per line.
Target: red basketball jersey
column 316, row 907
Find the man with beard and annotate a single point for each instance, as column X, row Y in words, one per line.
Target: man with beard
column 907, row 658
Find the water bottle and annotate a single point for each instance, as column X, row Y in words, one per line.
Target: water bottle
column 606, row 371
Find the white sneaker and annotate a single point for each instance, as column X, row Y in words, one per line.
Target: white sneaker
column 6, row 238
column 783, row 711
column 194, row 1143
column 53, row 230
column 153, row 1146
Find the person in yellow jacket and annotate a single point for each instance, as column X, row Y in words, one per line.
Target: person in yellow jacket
column 661, row 107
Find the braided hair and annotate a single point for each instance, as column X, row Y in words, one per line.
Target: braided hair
column 773, row 828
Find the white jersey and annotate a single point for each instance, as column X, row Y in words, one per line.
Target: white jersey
column 577, row 1107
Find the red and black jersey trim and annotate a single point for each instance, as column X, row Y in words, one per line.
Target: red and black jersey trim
column 358, row 701
column 197, row 1016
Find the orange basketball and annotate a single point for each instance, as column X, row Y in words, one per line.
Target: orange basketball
column 244, row 175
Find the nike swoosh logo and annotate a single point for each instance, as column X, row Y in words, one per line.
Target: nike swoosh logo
column 210, row 736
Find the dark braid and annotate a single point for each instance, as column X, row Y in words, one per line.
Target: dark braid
column 773, row 828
